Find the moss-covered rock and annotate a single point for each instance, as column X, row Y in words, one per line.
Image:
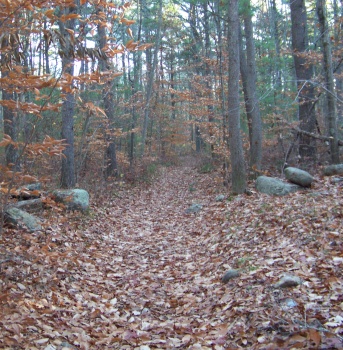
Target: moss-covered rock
column 298, row 176
column 22, row 219
column 334, row 169
column 73, row 199
column 272, row 186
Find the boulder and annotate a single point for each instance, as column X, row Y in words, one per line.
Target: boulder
column 220, row 198
column 298, row 177
column 272, row 186
column 21, row 219
column 73, row 199
column 194, row 208
column 230, row 275
column 337, row 180
column 334, row 169
column 30, row 206
column 288, row 281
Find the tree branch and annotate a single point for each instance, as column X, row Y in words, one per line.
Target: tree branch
column 316, row 136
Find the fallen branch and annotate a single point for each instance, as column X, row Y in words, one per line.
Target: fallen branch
column 316, row 136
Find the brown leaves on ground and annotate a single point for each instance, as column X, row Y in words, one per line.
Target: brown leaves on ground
column 141, row 273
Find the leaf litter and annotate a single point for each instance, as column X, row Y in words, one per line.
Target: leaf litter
column 139, row 272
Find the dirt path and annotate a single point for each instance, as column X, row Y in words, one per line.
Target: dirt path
column 159, row 261
column 141, row 273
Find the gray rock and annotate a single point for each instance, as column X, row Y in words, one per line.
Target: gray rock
column 298, row 176
column 334, row 169
column 220, row 198
column 22, row 219
column 33, row 187
column 66, row 345
column 30, row 206
column 288, row 281
column 288, row 303
column 272, row 186
column 230, row 274
column 73, row 199
column 194, row 208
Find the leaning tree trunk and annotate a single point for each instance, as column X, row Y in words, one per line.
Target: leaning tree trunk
column 303, row 70
column 329, row 81
column 235, row 139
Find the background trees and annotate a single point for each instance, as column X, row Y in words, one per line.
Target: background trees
column 126, row 84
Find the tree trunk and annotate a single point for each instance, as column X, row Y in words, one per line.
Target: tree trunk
column 276, row 36
column 235, row 139
column 46, row 52
column 329, row 81
column 221, row 95
column 10, row 129
column 195, row 48
column 249, row 77
column 303, row 70
column 111, row 166
column 68, row 105
column 208, row 76
column 10, row 120
column 151, row 78
column 338, row 69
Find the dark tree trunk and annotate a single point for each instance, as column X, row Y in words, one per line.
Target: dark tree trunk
column 303, row 70
column 249, row 77
column 68, row 106
column 68, row 170
column 329, row 81
column 111, row 166
column 9, row 117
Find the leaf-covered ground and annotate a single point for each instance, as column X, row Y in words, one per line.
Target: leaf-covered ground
column 140, row 273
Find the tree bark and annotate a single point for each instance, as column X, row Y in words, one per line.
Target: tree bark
column 249, row 78
column 235, row 140
column 151, row 78
column 68, row 105
column 196, row 61
column 111, row 166
column 10, row 129
column 303, row 70
column 208, row 76
column 10, row 122
column 329, row 81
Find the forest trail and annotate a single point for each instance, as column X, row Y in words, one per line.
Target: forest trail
column 141, row 273
column 159, row 260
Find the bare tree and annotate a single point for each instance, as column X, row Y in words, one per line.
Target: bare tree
column 149, row 89
column 249, row 77
column 108, row 100
column 303, row 70
column 235, row 139
column 67, row 54
column 329, row 81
